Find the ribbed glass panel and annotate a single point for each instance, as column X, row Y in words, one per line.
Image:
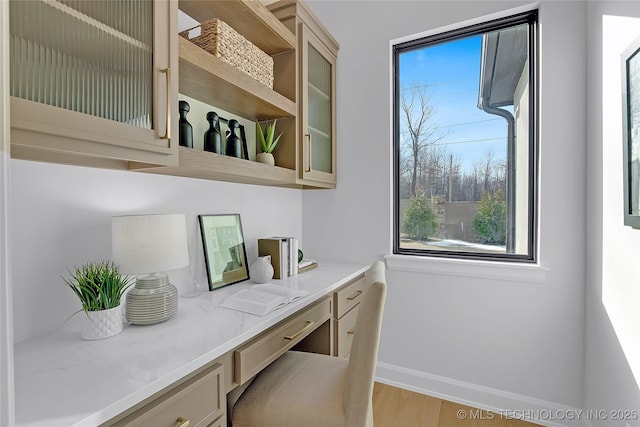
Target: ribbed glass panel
column 94, row 57
column 320, row 110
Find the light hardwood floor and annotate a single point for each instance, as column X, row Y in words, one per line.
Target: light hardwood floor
column 396, row 407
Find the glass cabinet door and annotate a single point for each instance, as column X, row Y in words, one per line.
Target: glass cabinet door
column 107, row 60
column 318, row 109
column 94, row 57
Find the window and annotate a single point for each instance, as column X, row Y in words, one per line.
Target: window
column 465, row 142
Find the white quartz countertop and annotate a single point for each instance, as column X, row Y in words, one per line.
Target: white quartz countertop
column 61, row 380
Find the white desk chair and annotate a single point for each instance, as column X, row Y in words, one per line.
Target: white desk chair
column 309, row 390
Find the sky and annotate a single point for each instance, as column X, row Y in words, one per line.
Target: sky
column 451, row 73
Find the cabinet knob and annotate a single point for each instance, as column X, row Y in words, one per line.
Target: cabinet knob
column 182, row 422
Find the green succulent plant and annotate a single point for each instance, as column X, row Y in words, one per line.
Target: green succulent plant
column 266, row 137
column 99, row 286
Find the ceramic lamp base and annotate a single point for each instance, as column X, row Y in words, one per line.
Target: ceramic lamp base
column 152, row 300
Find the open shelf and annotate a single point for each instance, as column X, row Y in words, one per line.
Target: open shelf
column 211, row 80
column 206, row 165
column 248, row 17
column 207, row 78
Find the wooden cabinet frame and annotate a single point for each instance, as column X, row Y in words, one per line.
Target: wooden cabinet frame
column 308, row 38
column 46, row 133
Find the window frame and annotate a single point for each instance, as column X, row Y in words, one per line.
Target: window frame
column 531, row 18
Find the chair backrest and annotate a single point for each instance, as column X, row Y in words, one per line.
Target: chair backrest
column 364, row 349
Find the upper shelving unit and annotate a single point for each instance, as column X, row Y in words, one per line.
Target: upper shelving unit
column 209, row 79
column 248, row 17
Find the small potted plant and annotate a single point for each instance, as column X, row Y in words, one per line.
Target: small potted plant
column 100, row 288
column 268, row 142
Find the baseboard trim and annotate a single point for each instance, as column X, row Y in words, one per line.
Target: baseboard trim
column 497, row 401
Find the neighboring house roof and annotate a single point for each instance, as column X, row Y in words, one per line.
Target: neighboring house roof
column 504, row 54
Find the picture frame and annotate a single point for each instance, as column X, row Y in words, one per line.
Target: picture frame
column 630, row 65
column 225, row 253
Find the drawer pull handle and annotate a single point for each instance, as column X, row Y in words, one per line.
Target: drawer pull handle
column 301, row 331
column 354, row 296
column 350, row 332
column 181, row 422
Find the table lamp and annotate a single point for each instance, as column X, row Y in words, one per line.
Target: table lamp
column 150, row 245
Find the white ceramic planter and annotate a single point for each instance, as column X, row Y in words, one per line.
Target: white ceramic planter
column 266, row 158
column 102, row 324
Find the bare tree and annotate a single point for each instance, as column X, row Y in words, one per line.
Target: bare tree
column 421, row 133
column 427, row 168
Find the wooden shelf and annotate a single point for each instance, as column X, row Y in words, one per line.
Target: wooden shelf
column 213, row 81
column 248, row 17
column 206, row 165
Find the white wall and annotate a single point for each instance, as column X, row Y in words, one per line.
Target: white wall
column 62, row 218
column 6, row 306
column 513, row 336
column 613, row 293
column 516, row 337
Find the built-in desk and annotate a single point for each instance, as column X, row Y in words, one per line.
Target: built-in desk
column 61, row 380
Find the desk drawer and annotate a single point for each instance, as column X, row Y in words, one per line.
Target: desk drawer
column 200, row 401
column 254, row 356
column 349, row 295
column 344, row 332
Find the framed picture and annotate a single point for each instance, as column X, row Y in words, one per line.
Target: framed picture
column 631, row 132
column 224, row 250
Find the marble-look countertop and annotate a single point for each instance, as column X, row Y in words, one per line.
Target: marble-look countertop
column 61, row 380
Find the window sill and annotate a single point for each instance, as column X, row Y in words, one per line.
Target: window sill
column 514, row 272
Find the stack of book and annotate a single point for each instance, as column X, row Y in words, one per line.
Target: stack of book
column 306, row 265
column 284, row 255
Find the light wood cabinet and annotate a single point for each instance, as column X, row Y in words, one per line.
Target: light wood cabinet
column 317, row 108
column 97, row 125
column 256, row 355
column 200, row 401
column 313, row 154
column 345, row 327
column 90, row 89
column 346, row 301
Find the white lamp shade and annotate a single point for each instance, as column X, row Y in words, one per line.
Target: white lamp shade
column 149, row 243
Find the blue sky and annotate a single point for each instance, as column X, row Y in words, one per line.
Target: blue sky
column 451, row 72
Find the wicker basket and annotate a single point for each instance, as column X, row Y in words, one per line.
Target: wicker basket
column 219, row 39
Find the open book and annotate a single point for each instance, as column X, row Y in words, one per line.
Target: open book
column 261, row 299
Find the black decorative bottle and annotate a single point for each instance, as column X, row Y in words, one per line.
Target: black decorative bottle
column 186, row 131
column 213, row 137
column 234, row 143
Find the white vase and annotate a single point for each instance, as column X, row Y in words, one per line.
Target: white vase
column 266, row 158
column 261, row 271
column 102, row 324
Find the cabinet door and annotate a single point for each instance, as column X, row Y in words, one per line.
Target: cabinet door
column 94, row 78
column 318, row 112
